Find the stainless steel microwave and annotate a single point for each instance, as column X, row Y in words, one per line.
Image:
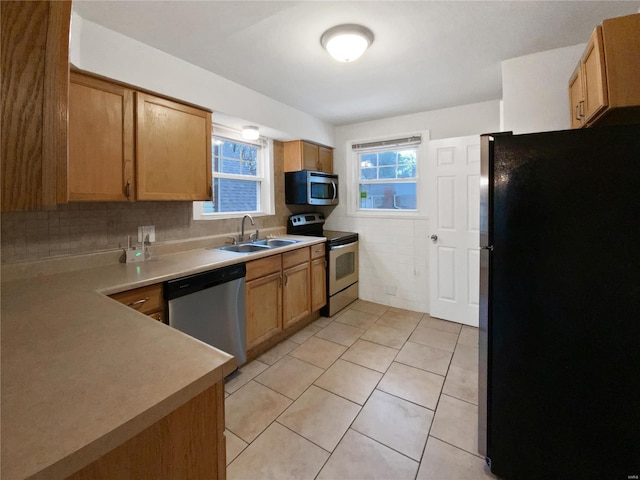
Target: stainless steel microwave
column 310, row 188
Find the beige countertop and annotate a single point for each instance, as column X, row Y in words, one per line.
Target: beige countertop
column 82, row 373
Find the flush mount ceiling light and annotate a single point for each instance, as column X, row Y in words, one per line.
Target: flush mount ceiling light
column 347, row 43
column 250, row 133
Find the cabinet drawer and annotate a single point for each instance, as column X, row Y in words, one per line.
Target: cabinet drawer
column 264, row 266
column 317, row 250
column 295, row 257
column 145, row 299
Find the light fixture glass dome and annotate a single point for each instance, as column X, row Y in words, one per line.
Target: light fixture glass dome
column 250, row 133
column 346, row 43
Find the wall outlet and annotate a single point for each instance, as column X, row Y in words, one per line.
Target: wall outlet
column 147, row 233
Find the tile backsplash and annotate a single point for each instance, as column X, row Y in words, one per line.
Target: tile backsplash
column 91, row 227
column 77, row 228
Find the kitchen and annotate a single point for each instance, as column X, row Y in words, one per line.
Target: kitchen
column 26, row 235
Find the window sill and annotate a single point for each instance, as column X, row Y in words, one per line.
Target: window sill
column 224, row 216
column 388, row 214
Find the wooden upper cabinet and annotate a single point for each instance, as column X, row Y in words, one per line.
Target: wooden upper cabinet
column 34, row 73
column 605, row 85
column 303, row 155
column 173, row 150
column 594, row 76
column 325, row 159
column 101, row 141
column 576, row 97
column 129, row 145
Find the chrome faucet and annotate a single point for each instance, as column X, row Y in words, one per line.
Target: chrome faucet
column 242, row 226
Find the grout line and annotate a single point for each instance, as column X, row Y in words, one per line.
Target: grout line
column 387, row 446
column 455, row 446
column 361, row 407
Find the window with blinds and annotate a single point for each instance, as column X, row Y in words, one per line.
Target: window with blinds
column 241, row 176
column 388, row 174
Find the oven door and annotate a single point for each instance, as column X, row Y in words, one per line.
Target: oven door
column 343, row 267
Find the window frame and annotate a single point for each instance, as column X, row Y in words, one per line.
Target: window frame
column 353, row 179
column 264, row 177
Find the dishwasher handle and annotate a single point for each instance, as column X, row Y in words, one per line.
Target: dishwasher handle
column 182, row 286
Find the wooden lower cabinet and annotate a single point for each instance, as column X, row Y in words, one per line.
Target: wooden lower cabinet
column 296, row 303
column 282, row 291
column 319, row 283
column 147, row 300
column 188, row 443
column 263, row 307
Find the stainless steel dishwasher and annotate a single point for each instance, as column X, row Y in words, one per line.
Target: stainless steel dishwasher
column 210, row 306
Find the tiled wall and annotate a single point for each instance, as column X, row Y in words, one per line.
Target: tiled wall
column 91, row 227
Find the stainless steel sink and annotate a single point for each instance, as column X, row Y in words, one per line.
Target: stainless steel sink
column 260, row 245
column 276, row 242
column 245, row 248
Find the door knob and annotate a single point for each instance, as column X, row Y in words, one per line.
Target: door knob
column 434, row 238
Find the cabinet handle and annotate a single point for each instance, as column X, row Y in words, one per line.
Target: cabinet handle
column 286, row 278
column 127, row 189
column 210, row 192
column 280, row 280
column 582, row 108
column 578, row 111
column 138, row 302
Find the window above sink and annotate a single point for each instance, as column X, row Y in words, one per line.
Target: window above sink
column 242, row 175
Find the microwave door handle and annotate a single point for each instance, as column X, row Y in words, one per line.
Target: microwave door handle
column 335, row 190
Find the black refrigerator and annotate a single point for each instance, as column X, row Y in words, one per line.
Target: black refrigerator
column 559, row 376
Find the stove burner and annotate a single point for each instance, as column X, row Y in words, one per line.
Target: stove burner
column 311, row 224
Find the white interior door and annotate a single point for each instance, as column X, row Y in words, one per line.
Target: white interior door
column 454, row 217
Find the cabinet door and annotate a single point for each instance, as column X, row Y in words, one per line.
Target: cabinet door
column 100, row 166
column 173, row 150
column 296, row 301
column 309, row 156
column 595, row 79
column 318, row 284
column 34, row 75
column 325, row 159
column 576, row 98
column 264, row 308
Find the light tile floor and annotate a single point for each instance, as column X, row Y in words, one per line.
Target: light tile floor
column 373, row 392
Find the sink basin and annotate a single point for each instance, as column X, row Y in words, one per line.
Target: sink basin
column 260, row 245
column 276, row 242
column 246, row 248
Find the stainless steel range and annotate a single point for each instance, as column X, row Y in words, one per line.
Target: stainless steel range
column 342, row 259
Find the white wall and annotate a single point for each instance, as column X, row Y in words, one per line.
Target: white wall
column 394, row 252
column 535, row 90
column 108, row 53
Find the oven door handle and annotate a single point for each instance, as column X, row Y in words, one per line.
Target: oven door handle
column 338, row 247
column 335, row 190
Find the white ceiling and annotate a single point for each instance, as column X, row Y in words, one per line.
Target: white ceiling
column 426, row 54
